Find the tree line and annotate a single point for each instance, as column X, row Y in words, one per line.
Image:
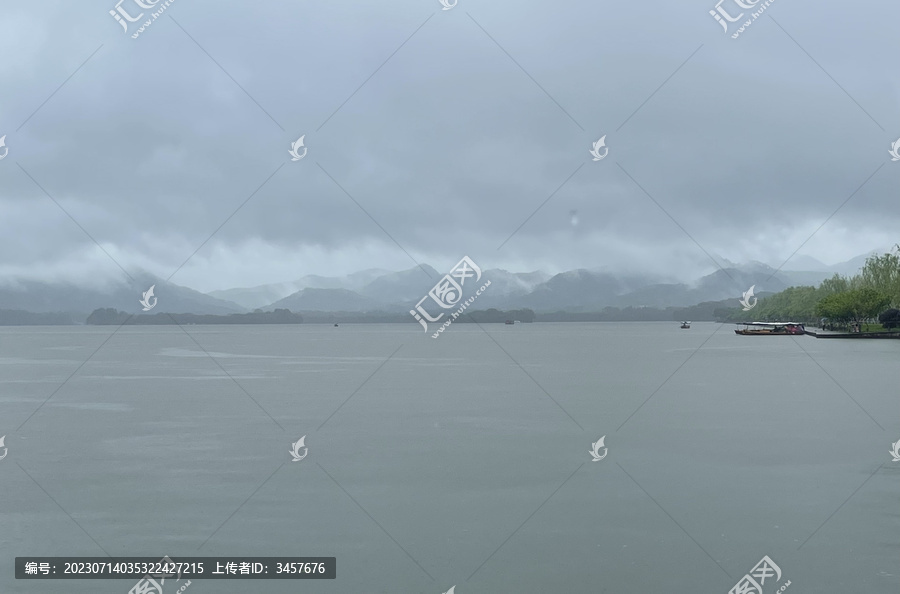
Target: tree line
column 109, row 316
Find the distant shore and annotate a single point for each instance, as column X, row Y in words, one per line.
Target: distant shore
column 111, row 316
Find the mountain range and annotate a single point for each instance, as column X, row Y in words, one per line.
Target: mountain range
column 35, row 296
column 397, row 292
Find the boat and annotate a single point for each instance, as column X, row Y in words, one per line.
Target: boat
column 770, row 329
column 509, row 322
column 685, row 325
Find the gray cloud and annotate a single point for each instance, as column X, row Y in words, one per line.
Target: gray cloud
column 450, row 146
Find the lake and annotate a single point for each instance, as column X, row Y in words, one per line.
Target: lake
column 459, row 461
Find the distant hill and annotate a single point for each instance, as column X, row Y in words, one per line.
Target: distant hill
column 376, row 290
column 402, row 287
column 579, row 290
column 508, row 288
column 399, row 291
column 264, row 295
column 46, row 298
column 853, row 265
column 728, row 283
column 327, row 300
column 805, row 263
column 572, row 291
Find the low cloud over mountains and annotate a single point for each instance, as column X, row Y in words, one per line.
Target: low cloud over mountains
column 379, row 290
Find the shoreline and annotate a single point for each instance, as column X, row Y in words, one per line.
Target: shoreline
column 830, row 334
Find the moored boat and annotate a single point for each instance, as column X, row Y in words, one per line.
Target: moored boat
column 686, row 325
column 770, row 329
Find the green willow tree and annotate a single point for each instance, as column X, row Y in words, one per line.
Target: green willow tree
column 867, row 303
column 835, row 284
column 882, row 273
column 835, row 308
column 856, row 306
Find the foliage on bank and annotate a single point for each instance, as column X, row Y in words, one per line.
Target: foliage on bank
column 842, row 300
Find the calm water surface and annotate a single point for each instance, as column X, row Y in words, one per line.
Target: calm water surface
column 458, row 461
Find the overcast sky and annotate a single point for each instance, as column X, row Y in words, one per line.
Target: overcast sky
column 433, row 134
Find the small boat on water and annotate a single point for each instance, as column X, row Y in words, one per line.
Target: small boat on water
column 509, row 322
column 770, row 329
column 686, row 325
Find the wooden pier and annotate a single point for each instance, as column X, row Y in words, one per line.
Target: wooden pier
column 829, row 334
